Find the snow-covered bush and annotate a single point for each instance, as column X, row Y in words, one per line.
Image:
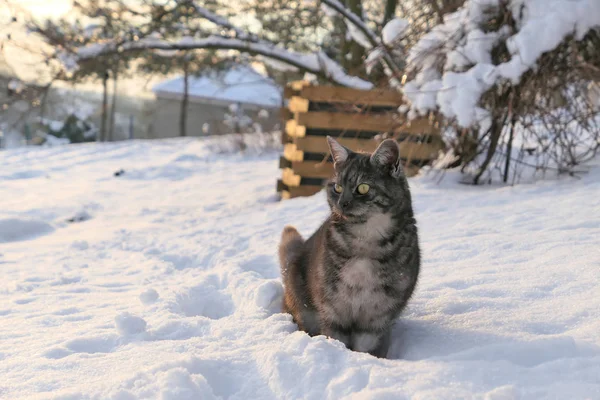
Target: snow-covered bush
column 73, row 129
column 509, row 76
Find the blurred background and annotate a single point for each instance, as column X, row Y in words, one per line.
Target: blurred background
column 109, row 70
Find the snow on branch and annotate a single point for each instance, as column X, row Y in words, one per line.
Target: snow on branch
column 364, row 36
column 316, row 63
column 453, row 64
column 223, row 22
column 352, row 19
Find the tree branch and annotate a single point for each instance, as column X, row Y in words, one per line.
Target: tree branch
column 316, row 63
column 355, row 20
column 223, row 22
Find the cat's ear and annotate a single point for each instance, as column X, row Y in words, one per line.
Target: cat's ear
column 387, row 156
column 338, row 152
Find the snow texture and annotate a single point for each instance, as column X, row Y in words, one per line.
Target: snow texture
column 238, row 84
column 394, row 30
column 278, row 65
column 463, row 49
column 506, row 307
column 128, row 324
column 357, row 35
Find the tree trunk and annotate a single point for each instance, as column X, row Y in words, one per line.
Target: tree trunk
column 184, row 101
column 496, row 128
column 356, row 64
column 111, row 125
column 509, row 147
column 102, row 136
column 390, row 11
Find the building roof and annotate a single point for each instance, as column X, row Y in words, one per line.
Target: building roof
column 239, row 84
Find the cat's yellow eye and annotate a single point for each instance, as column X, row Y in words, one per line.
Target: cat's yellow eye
column 363, row 188
column 337, row 188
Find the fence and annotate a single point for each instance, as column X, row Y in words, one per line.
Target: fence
column 358, row 119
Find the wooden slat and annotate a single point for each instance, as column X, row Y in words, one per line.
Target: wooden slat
column 288, row 92
column 284, row 163
column 329, row 120
column 290, row 127
column 298, row 85
column 416, row 127
column 281, row 186
column 294, row 130
column 408, row 150
column 298, row 104
column 338, row 94
column 354, row 117
column 313, row 169
column 285, row 138
column 291, row 152
column 289, row 178
column 300, row 191
column 285, row 114
column 350, row 108
column 318, row 144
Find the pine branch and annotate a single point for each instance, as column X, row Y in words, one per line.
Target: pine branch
column 224, row 23
column 316, row 63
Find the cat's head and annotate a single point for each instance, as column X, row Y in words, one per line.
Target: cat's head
column 367, row 184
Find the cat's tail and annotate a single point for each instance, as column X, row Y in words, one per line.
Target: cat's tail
column 290, row 249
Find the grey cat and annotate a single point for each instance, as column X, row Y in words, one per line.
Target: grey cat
column 352, row 278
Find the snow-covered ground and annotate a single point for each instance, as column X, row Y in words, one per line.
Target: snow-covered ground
column 166, row 284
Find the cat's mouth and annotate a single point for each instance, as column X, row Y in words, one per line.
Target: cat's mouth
column 338, row 215
column 345, row 216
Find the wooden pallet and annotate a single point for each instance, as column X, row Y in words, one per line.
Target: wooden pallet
column 358, row 119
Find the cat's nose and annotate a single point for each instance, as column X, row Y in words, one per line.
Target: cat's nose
column 344, row 204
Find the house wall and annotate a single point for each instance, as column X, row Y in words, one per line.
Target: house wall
column 165, row 121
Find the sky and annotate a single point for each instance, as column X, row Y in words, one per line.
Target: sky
column 30, row 67
column 22, row 61
column 46, row 8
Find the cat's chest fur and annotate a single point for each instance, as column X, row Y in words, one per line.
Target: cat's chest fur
column 359, row 295
column 361, row 240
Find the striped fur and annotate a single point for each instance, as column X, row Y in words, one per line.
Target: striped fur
column 353, row 277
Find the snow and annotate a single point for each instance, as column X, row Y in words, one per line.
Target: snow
column 14, row 229
column 327, row 10
column 278, row 65
column 149, row 296
column 172, row 289
column 373, row 58
column 128, row 324
column 394, row 30
column 357, row 35
column 16, row 85
column 238, row 84
column 463, row 49
column 317, row 63
column 336, row 73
